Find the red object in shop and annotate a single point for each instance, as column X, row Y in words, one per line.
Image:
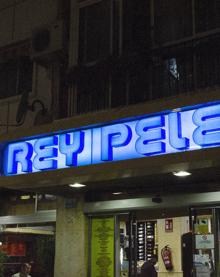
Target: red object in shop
column 14, row 248
column 167, row 257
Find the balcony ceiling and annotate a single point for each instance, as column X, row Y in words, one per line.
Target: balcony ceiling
column 200, row 180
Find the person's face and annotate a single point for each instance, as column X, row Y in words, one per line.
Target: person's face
column 26, row 269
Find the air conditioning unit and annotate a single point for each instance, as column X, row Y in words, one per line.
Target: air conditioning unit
column 47, row 43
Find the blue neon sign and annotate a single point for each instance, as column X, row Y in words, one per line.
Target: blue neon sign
column 157, row 134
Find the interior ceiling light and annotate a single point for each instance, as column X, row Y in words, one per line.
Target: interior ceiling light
column 181, row 173
column 117, row 193
column 77, row 185
column 25, row 197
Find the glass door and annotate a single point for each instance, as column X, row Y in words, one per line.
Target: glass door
column 120, row 244
column 205, row 224
column 128, row 245
column 138, row 242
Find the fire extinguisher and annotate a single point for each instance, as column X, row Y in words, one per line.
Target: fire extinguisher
column 167, row 257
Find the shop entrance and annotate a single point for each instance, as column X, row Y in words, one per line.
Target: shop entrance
column 191, row 232
column 121, row 243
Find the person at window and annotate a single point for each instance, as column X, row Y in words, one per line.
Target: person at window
column 24, row 271
column 148, row 268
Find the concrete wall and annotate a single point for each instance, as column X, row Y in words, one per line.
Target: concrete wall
column 173, row 239
column 71, row 241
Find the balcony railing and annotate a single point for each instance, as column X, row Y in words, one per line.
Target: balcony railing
column 161, row 72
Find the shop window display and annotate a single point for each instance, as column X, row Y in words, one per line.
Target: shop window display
column 28, row 244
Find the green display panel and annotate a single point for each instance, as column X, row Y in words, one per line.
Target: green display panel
column 102, row 247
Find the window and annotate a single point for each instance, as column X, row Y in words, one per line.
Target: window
column 136, row 25
column 207, row 15
column 92, row 93
column 137, row 50
column 15, row 75
column 173, row 73
column 139, row 84
column 118, row 88
column 173, row 19
column 111, row 27
column 94, row 31
column 208, row 63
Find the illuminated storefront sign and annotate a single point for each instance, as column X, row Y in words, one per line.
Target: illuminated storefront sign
column 186, row 129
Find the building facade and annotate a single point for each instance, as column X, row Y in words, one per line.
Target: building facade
column 117, row 95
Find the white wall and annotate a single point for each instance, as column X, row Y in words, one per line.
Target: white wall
column 173, row 239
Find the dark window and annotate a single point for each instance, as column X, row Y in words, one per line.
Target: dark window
column 8, row 78
column 118, row 88
column 116, row 27
column 139, row 80
column 112, row 27
column 173, row 19
column 92, row 92
column 94, row 31
column 25, row 72
column 136, row 25
column 207, row 14
column 208, row 63
column 15, row 76
column 108, row 25
column 137, row 53
column 173, row 74
column 131, row 84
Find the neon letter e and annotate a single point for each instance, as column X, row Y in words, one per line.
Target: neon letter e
column 150, row 134
column 45, row 153
column 208, row 121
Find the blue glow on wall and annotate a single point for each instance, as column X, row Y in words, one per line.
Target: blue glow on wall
column 187, row 129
